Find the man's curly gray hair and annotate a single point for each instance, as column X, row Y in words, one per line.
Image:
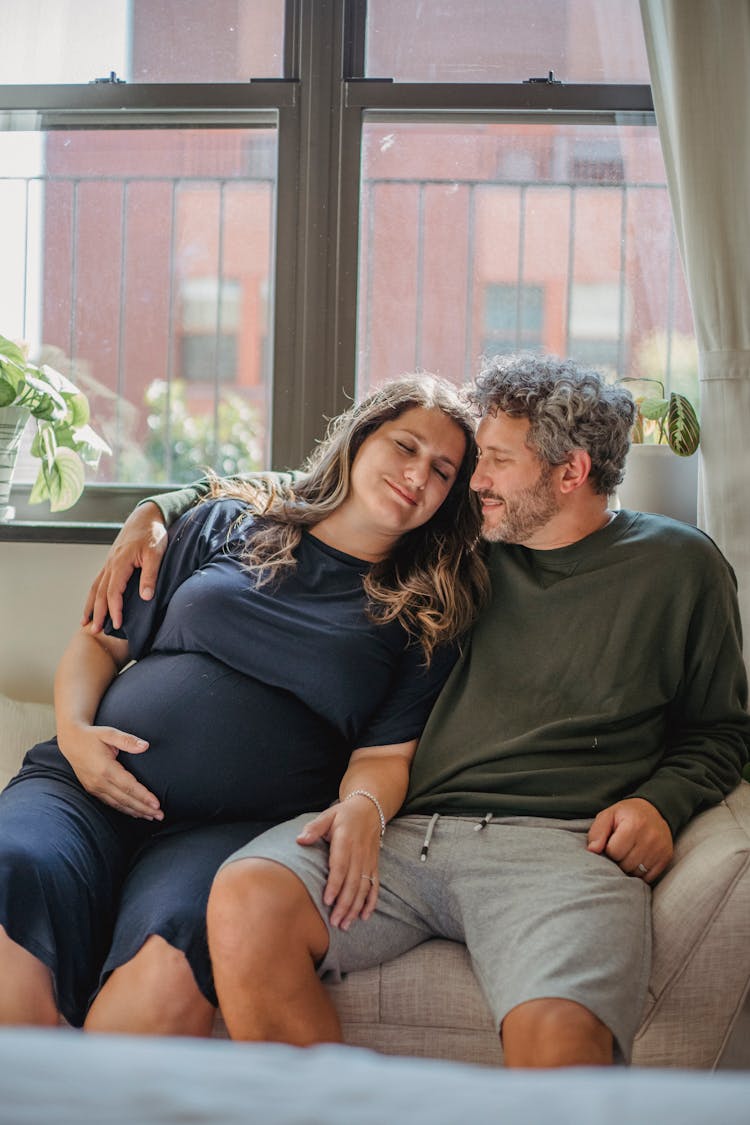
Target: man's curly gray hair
column 568, row 407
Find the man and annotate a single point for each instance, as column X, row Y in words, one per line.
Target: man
column 599, row 703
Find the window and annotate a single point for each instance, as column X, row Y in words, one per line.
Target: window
column 513, row 318
column 226, row 234
column 482, row 236
column 74, row 41
column 508, row 41
column 210, row 325
column 598, row 325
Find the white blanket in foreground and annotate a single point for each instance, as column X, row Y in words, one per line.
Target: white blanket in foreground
column 66, row 1078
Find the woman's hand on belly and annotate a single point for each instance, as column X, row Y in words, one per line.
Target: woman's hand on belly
column 92, row 753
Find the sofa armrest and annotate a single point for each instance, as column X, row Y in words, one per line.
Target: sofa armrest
column 700, row 973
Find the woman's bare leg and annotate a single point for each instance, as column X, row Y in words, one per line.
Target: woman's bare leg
column 26, row 993
column 153, row 994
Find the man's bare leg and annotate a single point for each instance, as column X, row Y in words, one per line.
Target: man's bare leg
column 26, row 993
column 554, row 1032
column 155, row 993
column 266, row 937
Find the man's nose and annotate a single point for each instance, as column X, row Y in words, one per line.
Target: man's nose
column 479, row 479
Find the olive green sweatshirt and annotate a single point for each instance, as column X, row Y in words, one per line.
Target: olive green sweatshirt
column 607, row 669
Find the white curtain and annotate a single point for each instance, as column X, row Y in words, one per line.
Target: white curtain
column 699, row 58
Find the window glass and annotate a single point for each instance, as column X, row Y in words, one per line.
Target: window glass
column 485, row 238
column 139, row 261
column 76, row 41
column 487, row 41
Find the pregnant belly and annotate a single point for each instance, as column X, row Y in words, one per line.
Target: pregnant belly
column 222, row 745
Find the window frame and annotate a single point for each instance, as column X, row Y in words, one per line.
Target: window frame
column 319, row 107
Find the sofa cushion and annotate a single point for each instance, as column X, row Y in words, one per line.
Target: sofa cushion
column 22, row 725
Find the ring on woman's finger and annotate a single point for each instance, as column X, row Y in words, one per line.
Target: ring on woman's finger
column 369, row 877
column 641, row 869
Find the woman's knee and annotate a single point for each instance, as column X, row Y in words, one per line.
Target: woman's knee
column 155, row 992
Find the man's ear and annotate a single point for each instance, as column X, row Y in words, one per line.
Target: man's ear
column 575, row 471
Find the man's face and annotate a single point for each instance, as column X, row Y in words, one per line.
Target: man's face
column 517, row 490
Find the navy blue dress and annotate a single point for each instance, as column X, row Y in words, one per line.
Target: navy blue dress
column 251, row 700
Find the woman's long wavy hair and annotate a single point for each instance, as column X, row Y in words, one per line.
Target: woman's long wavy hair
column 435, row 579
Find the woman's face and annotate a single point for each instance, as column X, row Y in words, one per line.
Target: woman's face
column 403, row 471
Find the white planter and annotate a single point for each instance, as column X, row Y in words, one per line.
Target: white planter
column 657, row 480
column 13, row 421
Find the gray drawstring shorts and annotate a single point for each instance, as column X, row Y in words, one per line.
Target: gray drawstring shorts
column 540, row 915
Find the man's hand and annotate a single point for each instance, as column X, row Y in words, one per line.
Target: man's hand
column 352, row 830
column 635, row 835
column 142, row 541
column 92, row 752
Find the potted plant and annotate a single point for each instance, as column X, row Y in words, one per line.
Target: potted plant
column 668, row 421
column 655, row 480
column 64, row 441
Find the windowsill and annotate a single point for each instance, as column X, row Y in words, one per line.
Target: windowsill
column 96, row 518
column 57, row 531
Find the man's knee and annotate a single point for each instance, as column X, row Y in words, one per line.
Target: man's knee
column 553, row 1032
column 257, row 904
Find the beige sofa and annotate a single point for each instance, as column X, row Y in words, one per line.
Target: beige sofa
column 428, row 1002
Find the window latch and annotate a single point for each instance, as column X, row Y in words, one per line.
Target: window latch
column 111, row 79
column 550, row 80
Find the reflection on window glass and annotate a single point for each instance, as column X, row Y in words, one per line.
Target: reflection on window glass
column 62, row 41
column 140, row 261
column 497, row 237
column 487, row 41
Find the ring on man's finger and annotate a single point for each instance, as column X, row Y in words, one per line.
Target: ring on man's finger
column 641, row 869
column 370, row 878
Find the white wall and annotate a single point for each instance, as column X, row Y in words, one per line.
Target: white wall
column 43, row 587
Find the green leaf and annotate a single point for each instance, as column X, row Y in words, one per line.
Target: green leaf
column 44, row 443
column 11, row 375
column 47, row 401
column 78, row 408
column 12, row 352
column 39, row 492
column 683, row 428
column 654, row 408
column 60, row 382
column 89, row 445
column 62, row 483
column 7, row 392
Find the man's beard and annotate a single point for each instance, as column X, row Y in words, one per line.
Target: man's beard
column 525, row 513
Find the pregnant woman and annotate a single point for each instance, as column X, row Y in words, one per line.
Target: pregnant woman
column 291, row 654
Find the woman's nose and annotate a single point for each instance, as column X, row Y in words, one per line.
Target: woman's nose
column 417, row 472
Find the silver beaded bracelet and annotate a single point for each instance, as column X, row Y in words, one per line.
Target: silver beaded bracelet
column 376, row 803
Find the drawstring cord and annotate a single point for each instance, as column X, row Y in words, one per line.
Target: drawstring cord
column 431, row 828
column 428, row 836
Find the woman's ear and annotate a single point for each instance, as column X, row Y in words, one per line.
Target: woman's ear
column 575, row 471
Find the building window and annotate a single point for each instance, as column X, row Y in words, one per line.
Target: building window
column 598, row 325
column 513, row 319
column 210, row 328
